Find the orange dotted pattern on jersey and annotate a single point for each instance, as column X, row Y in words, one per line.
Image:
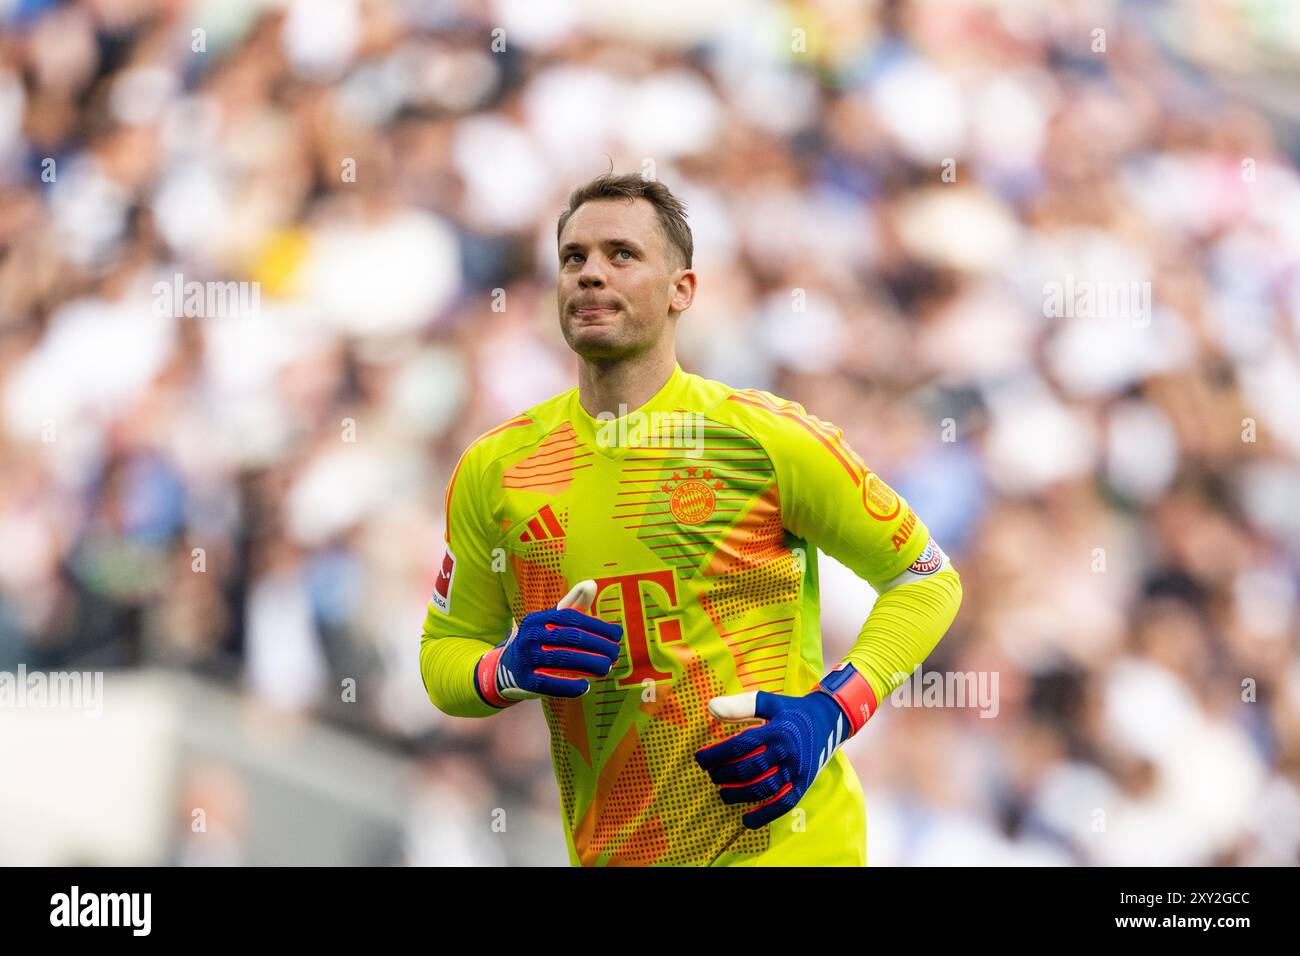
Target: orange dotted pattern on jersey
column 550, row 468
column 757, row 537
column 540, row 582
column 753, row 570
column 624, row 792
column 653, row 804
column 648, row 835
column 760, row 648
column 568, row 729
column 734, row 597
column 605, row 699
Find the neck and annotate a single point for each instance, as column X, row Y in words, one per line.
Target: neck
column 604, row 386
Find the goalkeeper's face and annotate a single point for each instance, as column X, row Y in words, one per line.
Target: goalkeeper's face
column 621, row 285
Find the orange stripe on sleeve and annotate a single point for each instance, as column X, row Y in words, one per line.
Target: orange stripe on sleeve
column 833, row 444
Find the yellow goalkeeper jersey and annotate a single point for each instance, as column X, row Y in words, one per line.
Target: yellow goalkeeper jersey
column 699, row 515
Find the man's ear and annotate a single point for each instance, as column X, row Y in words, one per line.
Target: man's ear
column 683, row 290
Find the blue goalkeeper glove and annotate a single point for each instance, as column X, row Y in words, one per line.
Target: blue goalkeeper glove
column 775, row 764
column 547, row 649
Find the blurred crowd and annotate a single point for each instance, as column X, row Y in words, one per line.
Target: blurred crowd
column 881, row 194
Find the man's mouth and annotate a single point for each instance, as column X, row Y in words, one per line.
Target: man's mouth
column 590, row 311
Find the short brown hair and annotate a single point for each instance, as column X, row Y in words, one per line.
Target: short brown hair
column 670, row 210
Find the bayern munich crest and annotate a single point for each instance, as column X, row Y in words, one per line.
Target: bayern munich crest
column 693, row 499
column 929, row 560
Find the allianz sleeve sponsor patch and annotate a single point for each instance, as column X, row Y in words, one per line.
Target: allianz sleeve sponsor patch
column 442, row 586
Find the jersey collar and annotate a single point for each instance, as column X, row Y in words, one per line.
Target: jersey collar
column 615, row 437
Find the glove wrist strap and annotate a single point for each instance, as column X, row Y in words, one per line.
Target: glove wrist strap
column 852, row 692
column 485, row 679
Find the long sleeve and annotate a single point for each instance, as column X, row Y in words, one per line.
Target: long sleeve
column 468, row 613
column 832, row 500
column 447, row 665
column 904, row 625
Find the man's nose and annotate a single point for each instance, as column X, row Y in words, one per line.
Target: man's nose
column 592, row 274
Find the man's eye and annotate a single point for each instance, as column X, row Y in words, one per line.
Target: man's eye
column 628, row 251
column 570, row 256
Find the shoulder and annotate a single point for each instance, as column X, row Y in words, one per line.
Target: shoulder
column 792, row 436
column 528, row 427
column 720, row 400
column 710, row 396
column 771, row 415
column 510, row 437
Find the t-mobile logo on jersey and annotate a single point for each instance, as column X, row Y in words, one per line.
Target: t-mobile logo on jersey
column 635, row 591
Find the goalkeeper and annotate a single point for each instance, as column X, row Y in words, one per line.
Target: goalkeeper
column 654, row 535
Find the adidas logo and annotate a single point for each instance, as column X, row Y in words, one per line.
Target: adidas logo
column 543, row 526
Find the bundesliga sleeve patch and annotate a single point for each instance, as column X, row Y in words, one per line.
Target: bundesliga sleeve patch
column 442, row 586
column 929, row 560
